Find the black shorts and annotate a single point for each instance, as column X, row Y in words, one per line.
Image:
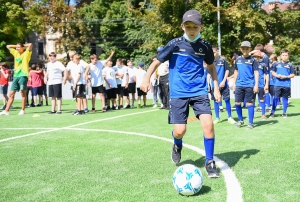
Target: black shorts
column 124, row 92
column 242, row 93
column 55, row 90
column 271, row 90
column 179, row 108
column 119, row 89
column 111, row 93
column 37, row 91
column 45, row 90
column 261, row 93
column 80, row 91
column 281, row 91
column 132, row 87
column 140, row 92
column 224, row 93
column 98, row 89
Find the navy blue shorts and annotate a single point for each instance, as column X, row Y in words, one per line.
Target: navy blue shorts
column 223, row 91
column 261, row 93
column 111, row 93
column 37, row 91
column 281, row 91
column 124, row 92
column 140, row 92
column 119, row 89
column 242, row 93
column 179, row 108
column 271, row 90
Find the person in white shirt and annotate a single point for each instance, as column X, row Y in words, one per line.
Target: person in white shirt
column 132, row 81
column 109, row 75
column 77, row 71
column 163, row 72
column 124, row 85
column 119, row 77
column 54, row 79
column 140, row 75
column 95, row 70
column 84, row 65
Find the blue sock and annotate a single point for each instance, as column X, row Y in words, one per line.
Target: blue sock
column 238, row 108
column 275, row 101
column 178, row 142
column 285, row 104
column 251, row 113
column 263, row 107
column 220, row 104
column 209, row 145
column 267, row 99
column 216, row 106
column 228, row 107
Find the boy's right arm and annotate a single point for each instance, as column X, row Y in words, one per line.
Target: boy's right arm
column 145, row 86
column 11, row 46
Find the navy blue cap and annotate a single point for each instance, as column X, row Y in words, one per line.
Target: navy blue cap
column 141, row 64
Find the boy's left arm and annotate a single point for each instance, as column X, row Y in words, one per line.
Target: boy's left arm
column 213, row 73
column 256, row 75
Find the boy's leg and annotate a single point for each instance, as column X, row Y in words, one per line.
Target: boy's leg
column 250, row 97
column 239, row 98
column 286, row 93
column 177, row 134
column 53, row 102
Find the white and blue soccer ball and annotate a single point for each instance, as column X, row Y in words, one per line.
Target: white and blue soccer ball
column 187, row 179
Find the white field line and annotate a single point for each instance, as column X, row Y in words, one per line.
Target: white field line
column 71, row 126
column 234, row 190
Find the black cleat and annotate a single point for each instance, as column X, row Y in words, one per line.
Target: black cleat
column 211, row 169
column 250, row 126
column 284, row 115
column 176, row 154
column 272, row 115
column 239, row 124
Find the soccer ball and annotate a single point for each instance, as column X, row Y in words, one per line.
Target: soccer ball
column 187, row 179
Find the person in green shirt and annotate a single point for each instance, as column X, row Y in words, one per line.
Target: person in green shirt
column 22, row 54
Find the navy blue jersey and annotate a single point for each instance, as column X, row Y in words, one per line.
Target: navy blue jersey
column 283, row 68
column 221, row 67
column 266, row 60
column 187, row 77
column 262, row 70
column 246, row 68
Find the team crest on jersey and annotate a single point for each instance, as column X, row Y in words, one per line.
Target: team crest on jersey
column 200, row 50
column 248, row 62
column 182, row 50
column 287, row 66
column 260, row 67
column 220, row 64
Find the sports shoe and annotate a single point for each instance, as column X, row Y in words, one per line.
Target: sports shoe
column 52, row 112
column 144, row 106
column 93, row 110
column 154, row 106
column 77, row 113
column 3, row 107
column 132, row 106
column 258, row 109
column 22, row 112
column 231, row 120
column 216, row 121
column 272, row 115
column 119, row 107
column 104, row 109
column 161, row 105
column 4, row 113
column 86, row 110
column 239, row 124
column 250, row 126
column 176, row 153
column 284, row 115
column 58, row 112
column 264, row 117
column 139, row 106
column 113, row 108
column 211, row 169
column 74, row 112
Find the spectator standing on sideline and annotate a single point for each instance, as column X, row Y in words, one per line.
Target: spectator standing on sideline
column 124, row 85
column 163, row 72
column 54, row 79
column 4, row 73
column 154, row 86
column 22, row 54
column 140, row 75
column 132, row 81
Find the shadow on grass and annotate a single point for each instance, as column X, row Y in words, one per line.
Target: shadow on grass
column 266, row 122
column 231, row 158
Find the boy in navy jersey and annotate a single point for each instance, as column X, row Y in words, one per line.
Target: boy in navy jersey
column 263, row 82
column 245, row 83
column 222, row 73
column 188, row 85
column 283, row 71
